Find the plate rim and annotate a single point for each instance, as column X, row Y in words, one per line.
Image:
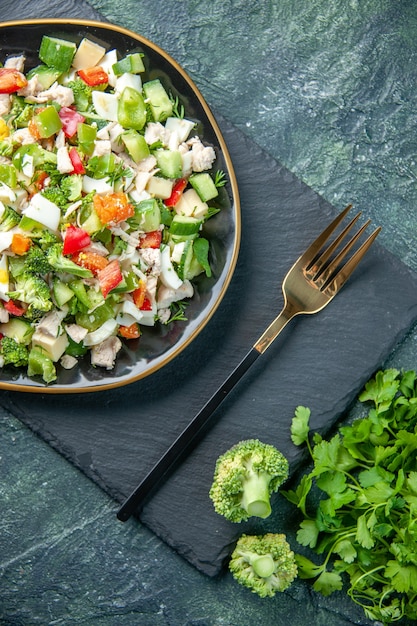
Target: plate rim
column 236, row 211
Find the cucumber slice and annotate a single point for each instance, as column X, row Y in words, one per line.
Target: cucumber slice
column 62, row 293
column 136, row 145
column 169, row 163
column 18, row 329
column 204, row 186
column 159, row 102
column 147, row 216
column 57, row 53
column 46, row 75
column 131, row 64
column 184, row 226
column 183, row 268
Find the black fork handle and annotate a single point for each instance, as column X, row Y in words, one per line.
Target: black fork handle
column 184, row 443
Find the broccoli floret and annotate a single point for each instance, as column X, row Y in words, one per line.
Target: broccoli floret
column 36, row 262
column 13, row 353
column 71, row 187
column 62, row 264
column 45, row 238
column 265, row 564
column 244, row 479
column 9, row 219
column 33, row 290
column 82, row 94
column 55, row 195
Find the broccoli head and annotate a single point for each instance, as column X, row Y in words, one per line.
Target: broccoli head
column 245, row 478
column 55, row 194
column 33, row 290
column 265, row 564
column 35, row 261
column 61, row 263
column 45, row 238
column 71, row 187
column 9, row 219
column 82, row 94
column 13, row 353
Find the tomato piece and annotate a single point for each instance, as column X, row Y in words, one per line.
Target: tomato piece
column 20, row 244
column 140, row 298
column 93, row 76
column 39, row 179
column 110, row 277
column 176, row 193
column 112, row 207
column 139, row 294
column 151, row 240
column 90, row 260
column 130, row 332
column 14, row 308
column 147, row 304
column 11, row 80
column 75, row 239
column 70, row 120
column 76, row 161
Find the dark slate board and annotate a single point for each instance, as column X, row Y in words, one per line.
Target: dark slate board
column 322, row 361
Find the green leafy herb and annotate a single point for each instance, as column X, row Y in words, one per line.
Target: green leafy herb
column 177, row 108
column 178, row 311
column 220, row 178
column 359, row 501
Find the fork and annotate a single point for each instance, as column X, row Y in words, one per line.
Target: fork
column 311, row 283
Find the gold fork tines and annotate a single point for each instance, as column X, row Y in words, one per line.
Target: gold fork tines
column 319, row 274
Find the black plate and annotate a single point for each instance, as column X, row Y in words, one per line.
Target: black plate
column 158, row 345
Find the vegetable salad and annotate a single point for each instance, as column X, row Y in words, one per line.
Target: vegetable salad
column 104, row 188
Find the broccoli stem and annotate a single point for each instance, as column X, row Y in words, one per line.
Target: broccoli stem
column 256, row 497
column 263, row 566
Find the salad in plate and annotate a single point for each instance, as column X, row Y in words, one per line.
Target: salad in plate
column 104, row 188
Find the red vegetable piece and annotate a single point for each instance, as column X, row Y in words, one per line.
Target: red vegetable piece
column 70, row 119
column 176, row 193
column 130, row 332
column 76, row 161
column 11, row 80
column 109, row 277
column 75, row 239
column 93, row 76
column 14, row 308
column 151, row 240
column 147, row 304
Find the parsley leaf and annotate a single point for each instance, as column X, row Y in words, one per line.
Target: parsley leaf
column 359, row 500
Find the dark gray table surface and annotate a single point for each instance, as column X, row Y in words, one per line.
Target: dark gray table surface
column 327, row 88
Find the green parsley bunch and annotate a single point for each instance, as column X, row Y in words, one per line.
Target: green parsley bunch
column 364, row 479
